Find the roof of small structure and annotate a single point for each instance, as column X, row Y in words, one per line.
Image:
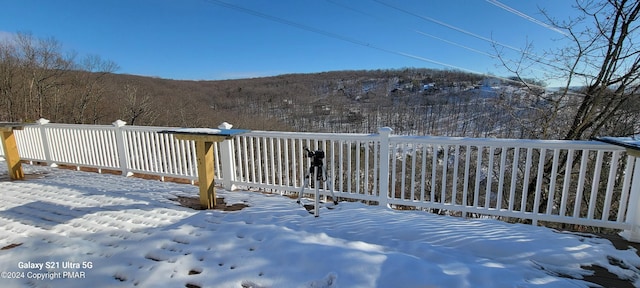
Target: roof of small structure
column 629, row 142
column 206, row 131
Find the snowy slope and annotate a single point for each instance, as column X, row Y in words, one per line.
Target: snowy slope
column 126, row 232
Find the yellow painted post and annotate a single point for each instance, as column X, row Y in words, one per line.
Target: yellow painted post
column 204, row 154
column 11, row 155
column 205, row 162
column 204, row 141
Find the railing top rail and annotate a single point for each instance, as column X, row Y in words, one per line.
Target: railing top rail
column 312, row 135
column 72, row 126
column 147, row 128
column 514, row 143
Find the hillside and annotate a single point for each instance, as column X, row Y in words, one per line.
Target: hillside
column 411, row 101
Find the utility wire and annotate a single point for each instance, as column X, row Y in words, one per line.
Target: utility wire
column 430, row 35
column 525, row 16
column 410, row 29
column 349, row 39
column 432, row 20
column 287, row 22
column 536, row 58
column 332, row 35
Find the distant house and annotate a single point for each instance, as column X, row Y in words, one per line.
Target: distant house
column 368, row 86
column 321, row 109
column 429, row 86
column 490, row 83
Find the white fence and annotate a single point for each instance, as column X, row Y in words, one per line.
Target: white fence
column 576, row 182
column 130, row 149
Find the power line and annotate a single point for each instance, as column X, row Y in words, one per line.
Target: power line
column 441, row 23
column 439, row 38
column 412, row 30
column 287, row 22
column 332, row 35
column 348, row 39
column 525, row 16
column 535, row 57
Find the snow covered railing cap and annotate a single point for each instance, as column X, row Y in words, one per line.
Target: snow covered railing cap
column 631, row 143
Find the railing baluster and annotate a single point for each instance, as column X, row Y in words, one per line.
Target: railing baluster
column 502, row 168
column 595, row 185
column 476, row 192
column 287, row 166
column 552, row 182
column 525, row 181
column 349, row 170
column 103, row 157
column 454, row 184
column 489, row 178
column 581, row 179
column 413, row 173
column 514, row 178
column 376, row 168
column 260, row 166
column 445, row 164
column 357, row 172
column 423, row 175
column 294, row 166
column 403, row 175
column 626, row 186
column 367, row 149
column 272, row 160
column 244, row 162
column 539, row 178
column 567, row 182
column 434, row 165
column 467, row 175
column 613, row 169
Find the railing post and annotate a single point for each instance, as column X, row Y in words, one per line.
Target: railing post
column 45, row 142
column 633, row 210
column 121, row 149
column 383, row 172
column 227, row 160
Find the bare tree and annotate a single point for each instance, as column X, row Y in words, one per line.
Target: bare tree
column 603, row 60
column 90, row 88
column 8, row 87
column 600, row 72
column 43, row 66
column 137, row 106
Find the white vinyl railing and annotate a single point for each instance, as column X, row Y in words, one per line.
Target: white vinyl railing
column 575, row 182
column 130, row 149
column 578, row 182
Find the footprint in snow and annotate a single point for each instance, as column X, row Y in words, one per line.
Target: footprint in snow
column 328, row 281
column 251, row 284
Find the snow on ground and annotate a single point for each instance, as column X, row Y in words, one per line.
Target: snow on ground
column 124, row 232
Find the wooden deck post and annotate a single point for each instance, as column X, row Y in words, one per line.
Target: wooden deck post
column 11, row 153
column 204, row 140
column 205, row 160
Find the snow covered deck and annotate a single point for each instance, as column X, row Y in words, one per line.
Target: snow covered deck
column 111, row 231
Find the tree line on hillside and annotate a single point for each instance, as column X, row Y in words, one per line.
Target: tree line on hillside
column 40, row 80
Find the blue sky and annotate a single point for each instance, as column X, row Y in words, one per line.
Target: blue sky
column 210, row 40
